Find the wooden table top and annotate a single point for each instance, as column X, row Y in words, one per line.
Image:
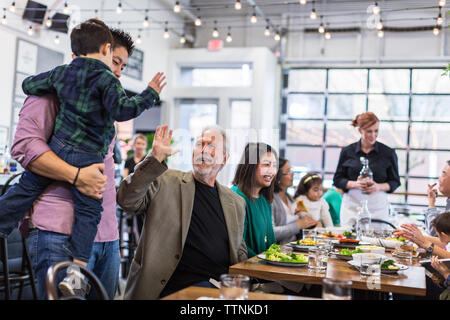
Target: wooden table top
column 411, row 281
column 193, row 293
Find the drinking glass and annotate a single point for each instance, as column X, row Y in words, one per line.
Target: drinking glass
column 369, row 270
column 312, row 259
column 309, row 233
column 321, row 260
column 336, row 289
column 234, row 287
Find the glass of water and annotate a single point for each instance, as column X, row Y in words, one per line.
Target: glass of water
column 312, row 259
column 309, row 233
column 321, row 260
column 369, row 270
column 234, row 287
column 336, row 289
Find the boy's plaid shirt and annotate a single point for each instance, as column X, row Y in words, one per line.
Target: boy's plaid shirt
column 91, row 98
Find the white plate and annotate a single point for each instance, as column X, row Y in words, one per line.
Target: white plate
column 385, row 271
column 282, row 263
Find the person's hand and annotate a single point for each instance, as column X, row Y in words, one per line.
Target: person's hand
column 412, row 233
column 432, row 194
column 157, row 82
column 91, row 181
column 440, row 267
column 306, row 222
column 319, row 224
column 161, row 148
column 359, row 184
column 371, row 187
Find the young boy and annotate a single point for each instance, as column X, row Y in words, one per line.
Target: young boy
column 91, row 100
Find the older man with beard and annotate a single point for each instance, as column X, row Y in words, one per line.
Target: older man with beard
column 193, row 228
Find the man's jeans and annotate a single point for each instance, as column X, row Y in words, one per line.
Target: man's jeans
column 87, row 211
column 47, row 248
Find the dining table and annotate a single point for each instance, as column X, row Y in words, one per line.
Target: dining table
column 201, row 293
column 411, row 281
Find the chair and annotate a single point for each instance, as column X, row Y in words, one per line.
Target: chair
column 52, row 292
column 15, row 265
column 129, row 245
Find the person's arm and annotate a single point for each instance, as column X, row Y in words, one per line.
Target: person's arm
column 282, row 230
column 137, row 190
column 122, row 107
column 393, row 177
column 40, row 84
column 125, row 173
column 30, row 148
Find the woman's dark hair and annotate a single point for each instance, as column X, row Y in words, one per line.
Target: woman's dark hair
column 245, row 176
column 123, row 39
column 307, row 182
column 281, row 163
column 89, row 36
column 442, row 223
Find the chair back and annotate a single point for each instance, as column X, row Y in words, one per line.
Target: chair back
column 52, row 292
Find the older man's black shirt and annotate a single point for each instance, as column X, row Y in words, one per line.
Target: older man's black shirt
column 206, row 253
column 383, row 162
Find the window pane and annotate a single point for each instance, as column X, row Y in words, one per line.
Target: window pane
column 430, row 136
column 307, row 80
column 345, row 106
column 341, row 133
column 351, row 80
column 306, row 106
column 305, row 132
column 418, row 186
column 217, row 77
column 430, row 81
column 241, row 116
column 389, row 107
column 331, row 159
column 427, row 163
column 430, row 108
column 304, row 159
column 401, row 155
column 393, row 134
column 389, row 81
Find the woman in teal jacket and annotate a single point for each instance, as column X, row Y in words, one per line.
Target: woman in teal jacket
column 254, row 181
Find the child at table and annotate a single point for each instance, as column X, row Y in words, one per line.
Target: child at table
column 310, row 202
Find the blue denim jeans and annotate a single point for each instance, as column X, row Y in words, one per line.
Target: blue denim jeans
column 47, row 248
column 87, row 211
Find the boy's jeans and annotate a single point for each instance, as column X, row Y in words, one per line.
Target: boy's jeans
column 87, row 211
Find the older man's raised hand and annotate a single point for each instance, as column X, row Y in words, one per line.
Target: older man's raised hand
column 161, row 148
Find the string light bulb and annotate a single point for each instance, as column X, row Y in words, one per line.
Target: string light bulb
column 254, row 19
column 376, row 8
column 166, row 31
column 328, row 35
column 441, row 3
column 313, row 14
column 66, row 8
column 4, row 20
column 146, row 22
column 183, row 39
column 238, row 5
column 277, row 36
column 439, row 20
column 267, row 31
column 380, row 33
column 119, row 8
column 198, row 21
column 321, row 28
column 57, row 40
column 436, row 30
column 48, row 23
column 30, row 30
column 12, row 8
column 139, row 39
column 177, row 7
column 380, row 25
column 303, row 2
column 229, row 38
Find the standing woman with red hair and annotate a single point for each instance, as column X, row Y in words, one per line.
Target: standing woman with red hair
column 382, row 161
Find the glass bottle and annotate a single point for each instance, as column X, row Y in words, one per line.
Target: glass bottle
column 366, row 173
column 363, row 220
